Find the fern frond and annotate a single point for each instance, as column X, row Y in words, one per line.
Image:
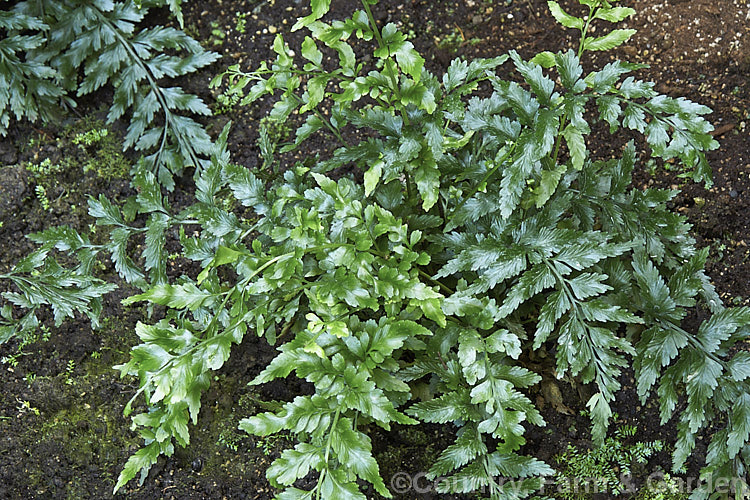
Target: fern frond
column 103, row 38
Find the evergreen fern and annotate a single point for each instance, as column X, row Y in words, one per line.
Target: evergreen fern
column 27, row 89
column 41, row 281
column 475, row 236
column 484, row 229
column 39, row 71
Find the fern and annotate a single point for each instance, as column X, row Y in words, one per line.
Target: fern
column 41, row 281
column 560, row 240
column 37, row 73
column 102, row 38
column 604, row 469
column 484, row 229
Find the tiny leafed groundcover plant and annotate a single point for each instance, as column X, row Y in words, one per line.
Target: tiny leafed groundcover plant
column 483, row 233
column 604, row 469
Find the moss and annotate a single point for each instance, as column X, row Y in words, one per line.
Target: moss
column 216, row 440
column 84, row 434
column 100, row 150
column 87, row 431
column 417, row 452
column 43, row 175
column 83, row 428
column 414, row 435
column 55, row 170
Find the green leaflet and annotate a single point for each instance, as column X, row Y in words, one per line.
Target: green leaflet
column 178, row 297
column 540, row 85
column 468, row 446
column 740, row 425
column 394, row 43
column 548, row 183
column 141, row 462
column 739, row 366
column 608, row 41
column 319, row 9
column 576, row 145
column 563, row 17
column 570, row 70
column 372, row 177
column 427, row 177
column 614, row 14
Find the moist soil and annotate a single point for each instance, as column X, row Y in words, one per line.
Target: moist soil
column 62, row 431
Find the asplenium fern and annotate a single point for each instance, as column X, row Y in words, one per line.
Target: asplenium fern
column 103, row 38
column 37, row 73
column 484, row 229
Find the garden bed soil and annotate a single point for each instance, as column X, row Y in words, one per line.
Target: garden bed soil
column 62, row 432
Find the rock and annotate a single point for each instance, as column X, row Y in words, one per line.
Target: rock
column 49, row 397
column 552, row 395
column 12, row 189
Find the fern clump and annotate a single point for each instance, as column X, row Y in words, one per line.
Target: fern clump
column 483, row 230
column 44, row 46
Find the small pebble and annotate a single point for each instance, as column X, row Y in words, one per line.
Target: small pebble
column 197, row 464
column 733, row 193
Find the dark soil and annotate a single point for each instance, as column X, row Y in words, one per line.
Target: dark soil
column 62, row 432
